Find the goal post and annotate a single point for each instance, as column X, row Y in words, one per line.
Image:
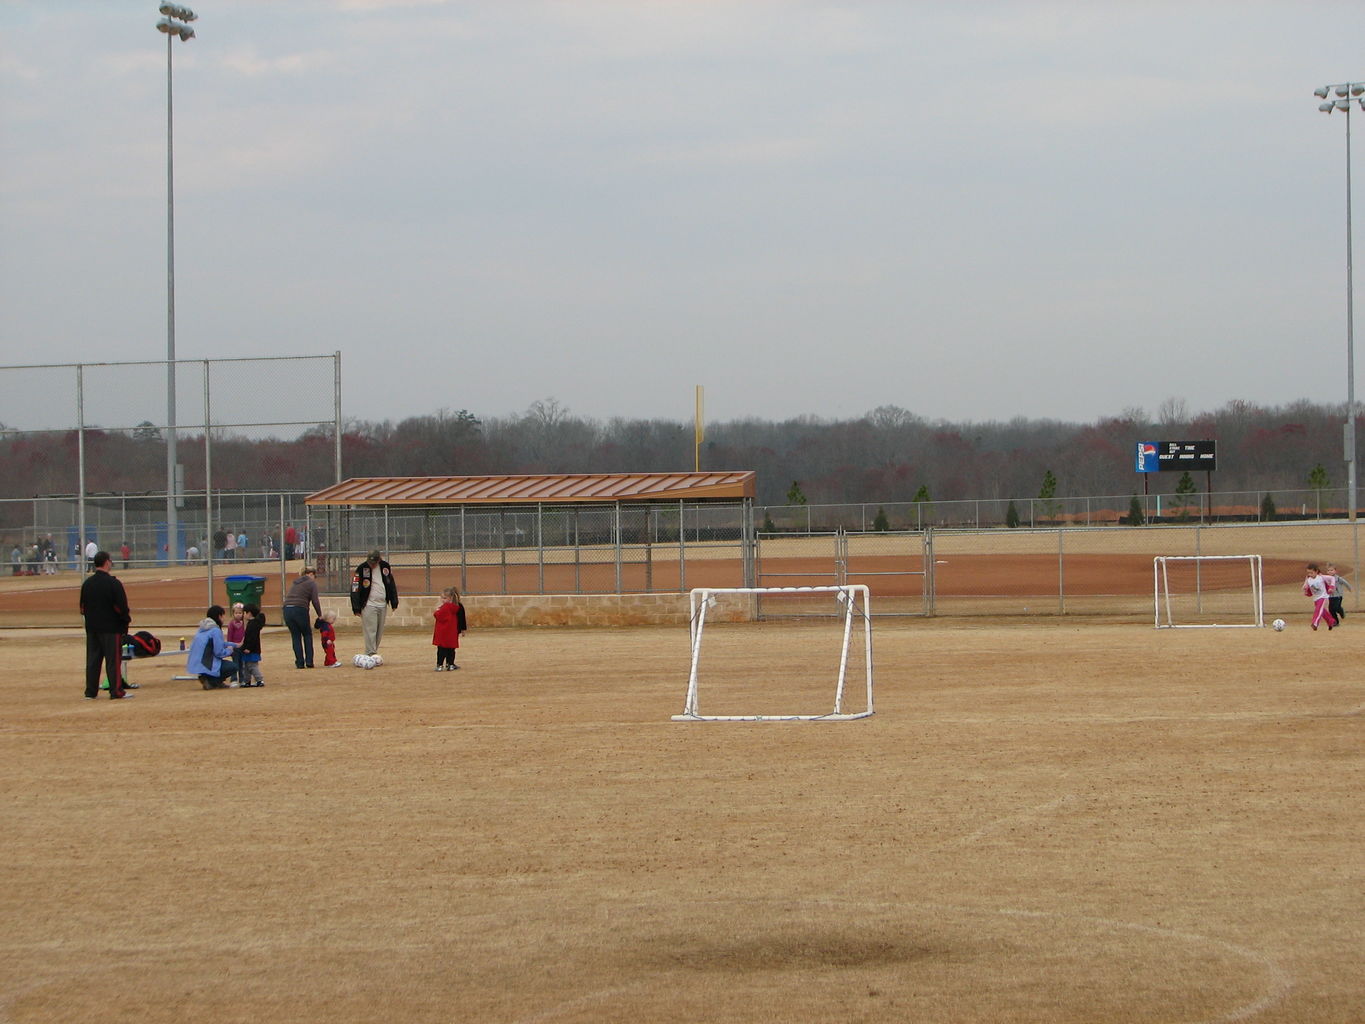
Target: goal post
column 1208, row 591
column 847, row 604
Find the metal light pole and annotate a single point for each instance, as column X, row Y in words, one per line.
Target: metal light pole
column 173, row 24
column 1346, row 94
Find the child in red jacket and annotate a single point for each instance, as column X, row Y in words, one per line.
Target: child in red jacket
column 450, row 626
column 327, row 630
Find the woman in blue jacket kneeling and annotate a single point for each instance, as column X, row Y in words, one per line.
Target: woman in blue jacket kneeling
column 210, row 656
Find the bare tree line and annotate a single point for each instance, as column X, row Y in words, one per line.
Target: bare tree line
column 890, row 454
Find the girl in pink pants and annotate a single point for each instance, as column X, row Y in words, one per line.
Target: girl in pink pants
column 1316, row 588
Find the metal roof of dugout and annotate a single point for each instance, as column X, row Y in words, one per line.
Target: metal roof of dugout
column 569, row 488
column 544, row 533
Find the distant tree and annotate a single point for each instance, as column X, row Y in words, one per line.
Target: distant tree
column 1318, row 480
column 890, row 417
column 1268, row 509
column 1173, row 412
column 1012, row 516
column 922, row 494
column 146, row 431
column 796, row 496
column 1048, row 495
column 1136, row 516
column 881, row 524
column 547, row 412
column 1184, row 493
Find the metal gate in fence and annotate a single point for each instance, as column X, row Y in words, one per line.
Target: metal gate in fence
column 897, row 566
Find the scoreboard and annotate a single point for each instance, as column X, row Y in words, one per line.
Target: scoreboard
column 1176, row 456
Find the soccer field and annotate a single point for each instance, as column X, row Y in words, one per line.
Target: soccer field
column 1046, row 820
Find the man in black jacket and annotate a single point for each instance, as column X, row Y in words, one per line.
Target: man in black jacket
column 370, row 602
column 105, row 607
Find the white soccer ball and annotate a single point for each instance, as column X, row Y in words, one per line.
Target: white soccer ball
column 378, row 660
column 358, row 661
column 1277, row 625
column 369, row 661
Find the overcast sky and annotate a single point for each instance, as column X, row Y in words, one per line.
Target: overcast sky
column 974, row 211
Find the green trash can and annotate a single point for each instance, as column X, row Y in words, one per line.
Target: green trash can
column 246, row 589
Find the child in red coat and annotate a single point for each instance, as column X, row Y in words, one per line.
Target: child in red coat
column 327, row 630
column 450, row 626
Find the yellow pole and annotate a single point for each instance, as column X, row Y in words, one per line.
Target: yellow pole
column 698, row 432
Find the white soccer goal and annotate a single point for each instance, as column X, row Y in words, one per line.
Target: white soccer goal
column 1207, row 591
column 844, row 605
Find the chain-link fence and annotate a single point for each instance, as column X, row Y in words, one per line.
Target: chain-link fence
column 1066, row 570
column 126, row 441
column 1071, row 569
column 1093, row 510
column 541, row 549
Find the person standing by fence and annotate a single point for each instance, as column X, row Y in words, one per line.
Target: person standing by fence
column 303, row 593
column 104, row 604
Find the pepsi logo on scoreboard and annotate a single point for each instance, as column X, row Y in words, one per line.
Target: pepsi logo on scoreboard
column 1178, row 456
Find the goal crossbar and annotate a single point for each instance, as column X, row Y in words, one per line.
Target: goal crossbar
column 855, row 600
column 1248, row 580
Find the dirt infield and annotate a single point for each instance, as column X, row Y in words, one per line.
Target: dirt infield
column 178, row 596
column 1045, row 821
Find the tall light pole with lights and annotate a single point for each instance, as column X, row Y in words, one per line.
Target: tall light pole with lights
column 174, row 23
column 1342, row 96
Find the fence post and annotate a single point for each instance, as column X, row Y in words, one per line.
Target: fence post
column 930, row 584
column 1061, row 571
column 616, row 540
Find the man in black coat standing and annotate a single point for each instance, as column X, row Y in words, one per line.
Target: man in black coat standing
column 105, row 607
column 373, row 592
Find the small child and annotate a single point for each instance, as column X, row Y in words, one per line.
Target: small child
column 450, row 626
column 1336, row 584
column 1315, row 586
column 250, row 652
column 328, row 631
column 235, row 633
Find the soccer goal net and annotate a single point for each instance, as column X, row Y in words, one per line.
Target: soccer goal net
column 797, row 667
column 1207, row 591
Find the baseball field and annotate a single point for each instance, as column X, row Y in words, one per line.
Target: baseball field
column 1046, row 820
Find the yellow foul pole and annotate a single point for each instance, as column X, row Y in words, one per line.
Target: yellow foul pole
column 699, row 431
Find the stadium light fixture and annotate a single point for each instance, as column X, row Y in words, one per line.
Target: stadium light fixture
column 1347, row 91
column 175, row 23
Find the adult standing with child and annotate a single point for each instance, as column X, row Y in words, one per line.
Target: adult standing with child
column 107, row 617
column 303, row 593
column 372, row 602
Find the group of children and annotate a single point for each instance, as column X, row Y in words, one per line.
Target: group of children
column 1325, row 589
column 225, row 657
column 212, row 657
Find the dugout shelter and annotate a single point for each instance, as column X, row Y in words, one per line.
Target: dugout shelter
column 574, row 533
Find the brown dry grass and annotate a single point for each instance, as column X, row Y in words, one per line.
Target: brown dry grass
column 1053, row 821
